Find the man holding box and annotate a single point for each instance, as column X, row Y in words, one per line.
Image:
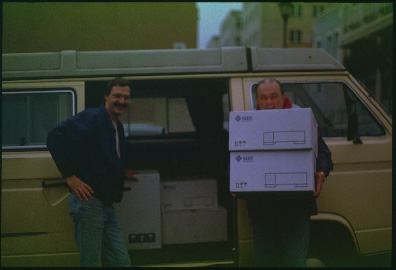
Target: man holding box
column 281, row 225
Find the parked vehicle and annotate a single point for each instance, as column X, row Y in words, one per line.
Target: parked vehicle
column 181, row 100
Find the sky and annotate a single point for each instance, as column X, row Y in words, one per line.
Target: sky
column 211, row 15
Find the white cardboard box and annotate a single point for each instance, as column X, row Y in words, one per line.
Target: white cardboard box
column 269, row 171
column 139, row 211
column 272, row 130
column 188, row 194
column 194, row 226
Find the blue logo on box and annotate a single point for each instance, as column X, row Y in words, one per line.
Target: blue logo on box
column 244, row 159
column 247, row 118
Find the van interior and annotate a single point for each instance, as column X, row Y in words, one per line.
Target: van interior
column 179, row 128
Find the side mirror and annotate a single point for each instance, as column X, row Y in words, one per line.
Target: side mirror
column 353, row 128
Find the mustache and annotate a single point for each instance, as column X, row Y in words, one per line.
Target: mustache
column 120, row 105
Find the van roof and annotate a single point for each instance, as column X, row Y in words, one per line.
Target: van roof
column 151, row 62
column 292, row 59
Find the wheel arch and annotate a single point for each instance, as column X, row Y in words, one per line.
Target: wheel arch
column 323, row 220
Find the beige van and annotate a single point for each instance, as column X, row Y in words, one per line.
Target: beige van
column 177, row 125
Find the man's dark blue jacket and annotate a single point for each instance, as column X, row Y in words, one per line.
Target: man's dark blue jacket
column 85, row 146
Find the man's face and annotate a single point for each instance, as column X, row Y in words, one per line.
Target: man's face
column 269, row 96
column 118, row 100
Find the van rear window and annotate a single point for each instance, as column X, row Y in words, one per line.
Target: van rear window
column 28, row 116
column 157, row 116
column 170, row 108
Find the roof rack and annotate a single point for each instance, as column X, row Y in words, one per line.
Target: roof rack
column 292, row 59
column 68, row 64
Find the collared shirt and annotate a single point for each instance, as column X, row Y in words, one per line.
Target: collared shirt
column 85, row 145
column 116, row 137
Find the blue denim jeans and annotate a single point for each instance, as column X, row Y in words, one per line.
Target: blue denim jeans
column 98, row 233
column 281, row 240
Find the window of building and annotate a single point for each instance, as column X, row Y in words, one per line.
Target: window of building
column 295, row 36
column 179, row 45
column 317, row 10
column 297, row 11
column 28, row 116
column 238, row 41
column 347, row 17
column 329, row 44
column 331, row 103
column 335, row 45
column 238, row 23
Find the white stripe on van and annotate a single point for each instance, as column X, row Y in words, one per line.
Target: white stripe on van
column 20, row 189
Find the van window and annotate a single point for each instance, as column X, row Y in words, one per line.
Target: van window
column 157, row 116
column 169, row 108
column 331, row 102
column 28, row 116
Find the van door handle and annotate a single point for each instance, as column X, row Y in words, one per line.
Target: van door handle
column 44, row 183
column 127, row 189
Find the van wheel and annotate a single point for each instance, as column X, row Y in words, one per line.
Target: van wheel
column 315, row 262
column 331, row 245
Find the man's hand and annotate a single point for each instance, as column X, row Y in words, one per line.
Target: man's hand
column 130, row 174
column 81, row 189
column 319, row 179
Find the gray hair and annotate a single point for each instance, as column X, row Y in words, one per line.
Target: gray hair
column 270, row 80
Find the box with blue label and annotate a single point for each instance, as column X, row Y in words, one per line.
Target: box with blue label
column 286, row 129
column 272, row 171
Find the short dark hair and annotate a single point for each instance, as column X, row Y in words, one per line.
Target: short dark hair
column 271, row 80
column 116, row 81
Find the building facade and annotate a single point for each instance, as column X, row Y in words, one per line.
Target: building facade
column 231, row 30
column 262, row 24
column 96, row 26
column 327, row 29
column 213, row 42
column 360, row 35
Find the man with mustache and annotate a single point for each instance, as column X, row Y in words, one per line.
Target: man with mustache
column 89, row 151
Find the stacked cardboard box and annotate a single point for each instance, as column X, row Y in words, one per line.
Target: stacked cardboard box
column 272, row 151
column 139, row 212
column 190, row 212
column 188, row 194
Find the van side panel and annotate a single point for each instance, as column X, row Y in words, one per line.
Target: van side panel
column 33, row 209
